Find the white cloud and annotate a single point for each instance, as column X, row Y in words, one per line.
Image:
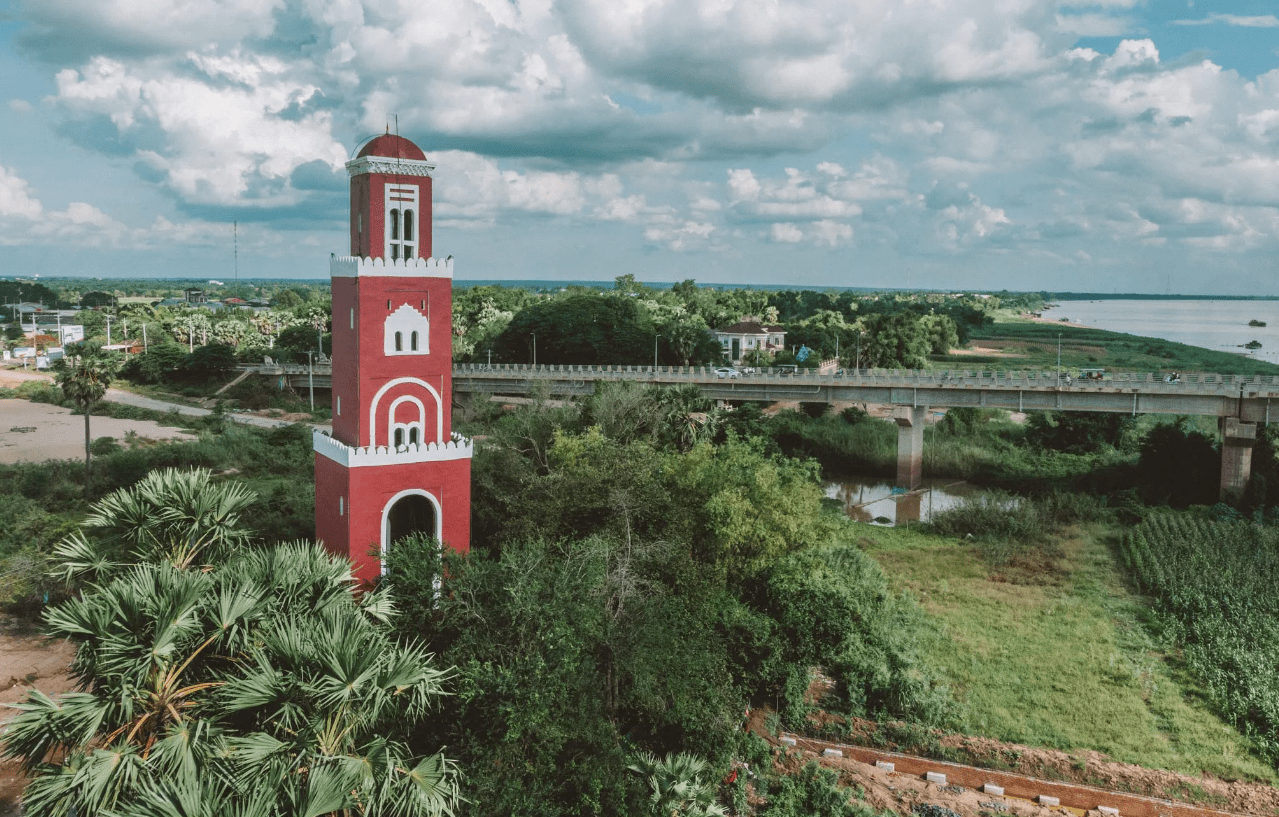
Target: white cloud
column 25, row 220
column 15, row 198
column 1257, row 21
column 786, row 233
column 20, row 106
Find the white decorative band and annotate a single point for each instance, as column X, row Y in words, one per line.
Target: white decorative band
column 350, row 267
column 457, row 448
column 383, row 164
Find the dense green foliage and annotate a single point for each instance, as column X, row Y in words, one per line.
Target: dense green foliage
column 630, row 590
column 1213, row 585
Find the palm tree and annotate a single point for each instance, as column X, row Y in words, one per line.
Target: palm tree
column 84, row 383
column 678, row 786
column 170, row 516
column 259, row 686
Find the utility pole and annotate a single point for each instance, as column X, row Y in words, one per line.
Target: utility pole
column 534, row 334
column 108, row 330
column 145, row 348
column 654, row 353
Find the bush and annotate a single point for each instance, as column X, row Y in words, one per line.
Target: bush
column 814, row 410
column 853, row 415
column 834, row 609
column 103, row 446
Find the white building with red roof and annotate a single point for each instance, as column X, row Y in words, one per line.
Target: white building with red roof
column 750, row 335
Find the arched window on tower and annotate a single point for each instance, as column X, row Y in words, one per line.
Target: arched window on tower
column 399, row 341
column 413, row 341
column 401, row 221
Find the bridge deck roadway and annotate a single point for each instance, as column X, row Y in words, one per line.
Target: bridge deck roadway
column 1249, row 399
column 1240, row 402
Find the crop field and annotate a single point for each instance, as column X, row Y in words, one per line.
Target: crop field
column 1213, row 585
column 1053, row 650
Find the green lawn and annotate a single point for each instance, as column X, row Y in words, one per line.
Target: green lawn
column 1053, row 652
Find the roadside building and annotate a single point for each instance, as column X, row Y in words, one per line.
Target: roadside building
column 750, row 335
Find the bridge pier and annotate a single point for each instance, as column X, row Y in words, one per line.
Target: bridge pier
column 910, row 445
column 1237, row 440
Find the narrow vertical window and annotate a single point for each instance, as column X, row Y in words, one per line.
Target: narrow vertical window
column 413, row 435
column 395, row 225
column 339, row 405
column 413, row 341
column 341, row 506
column 399, row 438
column 399, row 341
column 352, row 318
column 408, row 225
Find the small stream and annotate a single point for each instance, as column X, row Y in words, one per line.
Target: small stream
column 874, row 500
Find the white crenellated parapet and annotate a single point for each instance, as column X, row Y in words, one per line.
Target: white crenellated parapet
column 385, row 164
column 457, row 448
column 351, row 267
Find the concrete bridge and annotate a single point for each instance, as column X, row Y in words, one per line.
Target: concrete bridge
column 1239, row 402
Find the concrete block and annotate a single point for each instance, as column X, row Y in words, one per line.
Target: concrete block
column 1109, row 810
column 885, row 765
column 935, row 777
column 1045, row 800
column 991, row 788
column 832, row 753
column 789, row 741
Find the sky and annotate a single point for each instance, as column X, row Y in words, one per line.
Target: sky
column 1067, row 145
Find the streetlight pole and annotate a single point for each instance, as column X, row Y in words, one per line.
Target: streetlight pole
column 310, row 376
column 1058, row 358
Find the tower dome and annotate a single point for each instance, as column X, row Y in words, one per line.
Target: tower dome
column 391, row 146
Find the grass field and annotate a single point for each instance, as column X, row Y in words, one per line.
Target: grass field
column 1033, row 345
column 1053, row 651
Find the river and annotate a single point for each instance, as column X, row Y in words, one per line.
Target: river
column 874, row 501
column 1218, row 325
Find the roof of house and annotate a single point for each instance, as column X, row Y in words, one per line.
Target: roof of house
column 750, row 328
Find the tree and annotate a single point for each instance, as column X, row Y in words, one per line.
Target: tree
column 579, row 330
column 1179, row 465
column 286, row 299
column 1077, row 432
column 84, row 382
column 259, row 686
column 680, row 785
column 898, row 340
column 210, row 361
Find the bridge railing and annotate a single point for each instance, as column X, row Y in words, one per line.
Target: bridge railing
column 1022, row 378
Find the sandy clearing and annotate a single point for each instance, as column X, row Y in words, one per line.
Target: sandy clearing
column 34, row 432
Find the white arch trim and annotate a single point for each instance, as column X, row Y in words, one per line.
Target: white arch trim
column 393, row 425
column 377, row 398
column 438, row 533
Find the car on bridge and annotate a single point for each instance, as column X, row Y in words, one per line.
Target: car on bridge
column 727, row 371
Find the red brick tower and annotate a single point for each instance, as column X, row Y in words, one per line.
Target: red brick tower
column 392, row 465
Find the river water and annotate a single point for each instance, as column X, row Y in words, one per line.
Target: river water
column 868, row 500
column 1218, row 325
